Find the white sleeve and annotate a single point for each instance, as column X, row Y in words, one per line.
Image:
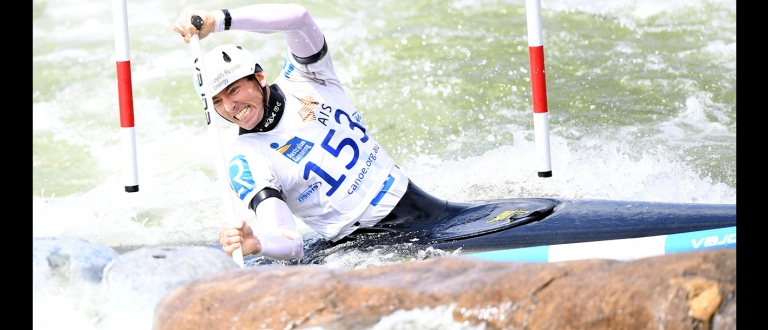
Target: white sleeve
column 301, row 33
column 286, row 243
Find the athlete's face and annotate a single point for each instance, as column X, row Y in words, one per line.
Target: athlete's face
column 242, row 102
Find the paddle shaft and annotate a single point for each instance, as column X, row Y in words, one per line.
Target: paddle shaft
column 202, row 80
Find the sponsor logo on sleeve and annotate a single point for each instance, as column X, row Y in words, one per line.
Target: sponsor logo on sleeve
column 287, row 66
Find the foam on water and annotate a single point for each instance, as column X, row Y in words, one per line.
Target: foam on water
column 637, row 9
column 602, row 171
column 681, row 152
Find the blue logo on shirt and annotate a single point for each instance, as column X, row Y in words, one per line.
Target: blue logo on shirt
column 240, row 176
column 287, row 67
column 296, row 149
column 310, row 190
column 357, row 116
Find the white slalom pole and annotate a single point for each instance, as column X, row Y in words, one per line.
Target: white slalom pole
column 213, row 129
column 538, row 87
column 125, row 94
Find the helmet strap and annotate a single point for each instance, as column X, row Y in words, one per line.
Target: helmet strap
column 274, row 107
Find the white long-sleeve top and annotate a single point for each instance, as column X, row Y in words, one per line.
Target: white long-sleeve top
column 332, row 174
column 302, row 35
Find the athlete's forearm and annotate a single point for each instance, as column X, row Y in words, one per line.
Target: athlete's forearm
column 286, row 243
column 301, row 33
column 281, row 246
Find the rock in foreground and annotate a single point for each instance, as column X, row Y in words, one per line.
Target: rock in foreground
column 695, row 290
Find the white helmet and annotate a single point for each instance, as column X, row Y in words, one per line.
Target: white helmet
column 224, row 65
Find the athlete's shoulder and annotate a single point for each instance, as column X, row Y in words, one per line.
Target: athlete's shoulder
column 319, row 72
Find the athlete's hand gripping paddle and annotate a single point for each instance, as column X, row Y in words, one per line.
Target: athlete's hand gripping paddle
column 205, row 94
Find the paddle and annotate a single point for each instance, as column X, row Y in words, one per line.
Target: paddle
column 203, row 89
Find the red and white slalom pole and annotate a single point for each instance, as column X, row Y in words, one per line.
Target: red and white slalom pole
column 125, row 94
column 538, row 87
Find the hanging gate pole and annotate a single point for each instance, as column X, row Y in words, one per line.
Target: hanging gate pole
column 125, row 94
column 538, row 87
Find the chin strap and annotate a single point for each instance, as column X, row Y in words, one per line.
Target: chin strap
column 274, row 106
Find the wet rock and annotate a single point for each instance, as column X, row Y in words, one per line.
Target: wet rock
column 137, row 280
column 65, row 261
column 695, row 290
column 66, row 281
